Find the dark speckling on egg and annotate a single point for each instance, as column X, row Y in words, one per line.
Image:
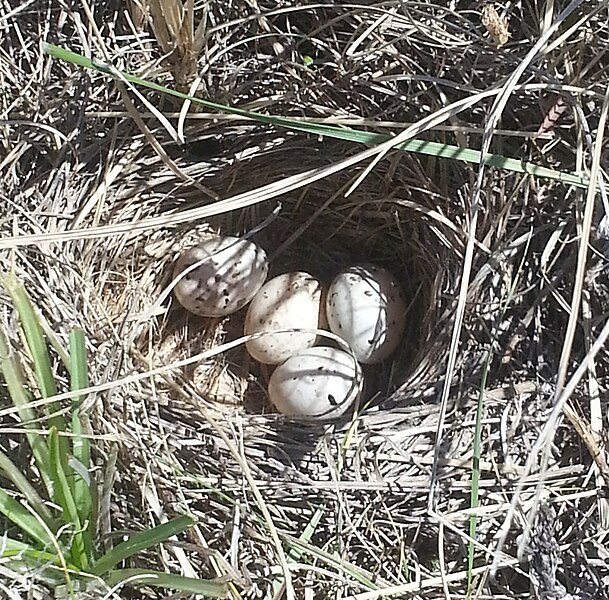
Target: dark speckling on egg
column 224, row 284
column 374, row 289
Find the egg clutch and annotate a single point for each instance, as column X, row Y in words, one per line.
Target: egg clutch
column 363, row 306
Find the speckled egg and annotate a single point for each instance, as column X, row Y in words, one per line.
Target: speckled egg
column 366, row 308
column 231, row 273
column 319, row 383
column 288, row 301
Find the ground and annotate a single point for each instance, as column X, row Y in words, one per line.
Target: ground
column 494, row 405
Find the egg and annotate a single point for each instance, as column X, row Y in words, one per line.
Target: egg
column 288, row 301
column 319, row 383
column 233, row 270
column 365, row 307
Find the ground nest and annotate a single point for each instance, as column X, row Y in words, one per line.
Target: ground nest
column 378, row 503
column 321, row 232
column 382, row 464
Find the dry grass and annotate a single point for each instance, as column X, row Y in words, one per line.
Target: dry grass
column 387, row 493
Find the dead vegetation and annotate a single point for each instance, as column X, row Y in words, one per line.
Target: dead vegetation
column 378, row 505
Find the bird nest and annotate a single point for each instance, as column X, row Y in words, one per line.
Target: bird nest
column 318, row 230
column 380, row 501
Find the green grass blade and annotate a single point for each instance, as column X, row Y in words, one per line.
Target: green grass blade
column 35, row 340
column 295, row 553
column 477, row 445
column 20, row 481
column 80, row 549
column 79, row 379
column 145, row 577
column 475, row 483
column 81, row 448
column 36, row 559
column 20, row 397
column 39, row 565
column 24, row 519
column 33, row 336
column 305, row 537
column 349, row 569
column 82, row 61
column 361, row 137
column 141, row 541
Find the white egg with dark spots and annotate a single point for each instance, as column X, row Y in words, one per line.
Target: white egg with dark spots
column 231, row 272
column 366, row 308
column 288, row 301
column 320, row 383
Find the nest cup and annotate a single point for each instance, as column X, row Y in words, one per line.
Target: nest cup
column 321, row 230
